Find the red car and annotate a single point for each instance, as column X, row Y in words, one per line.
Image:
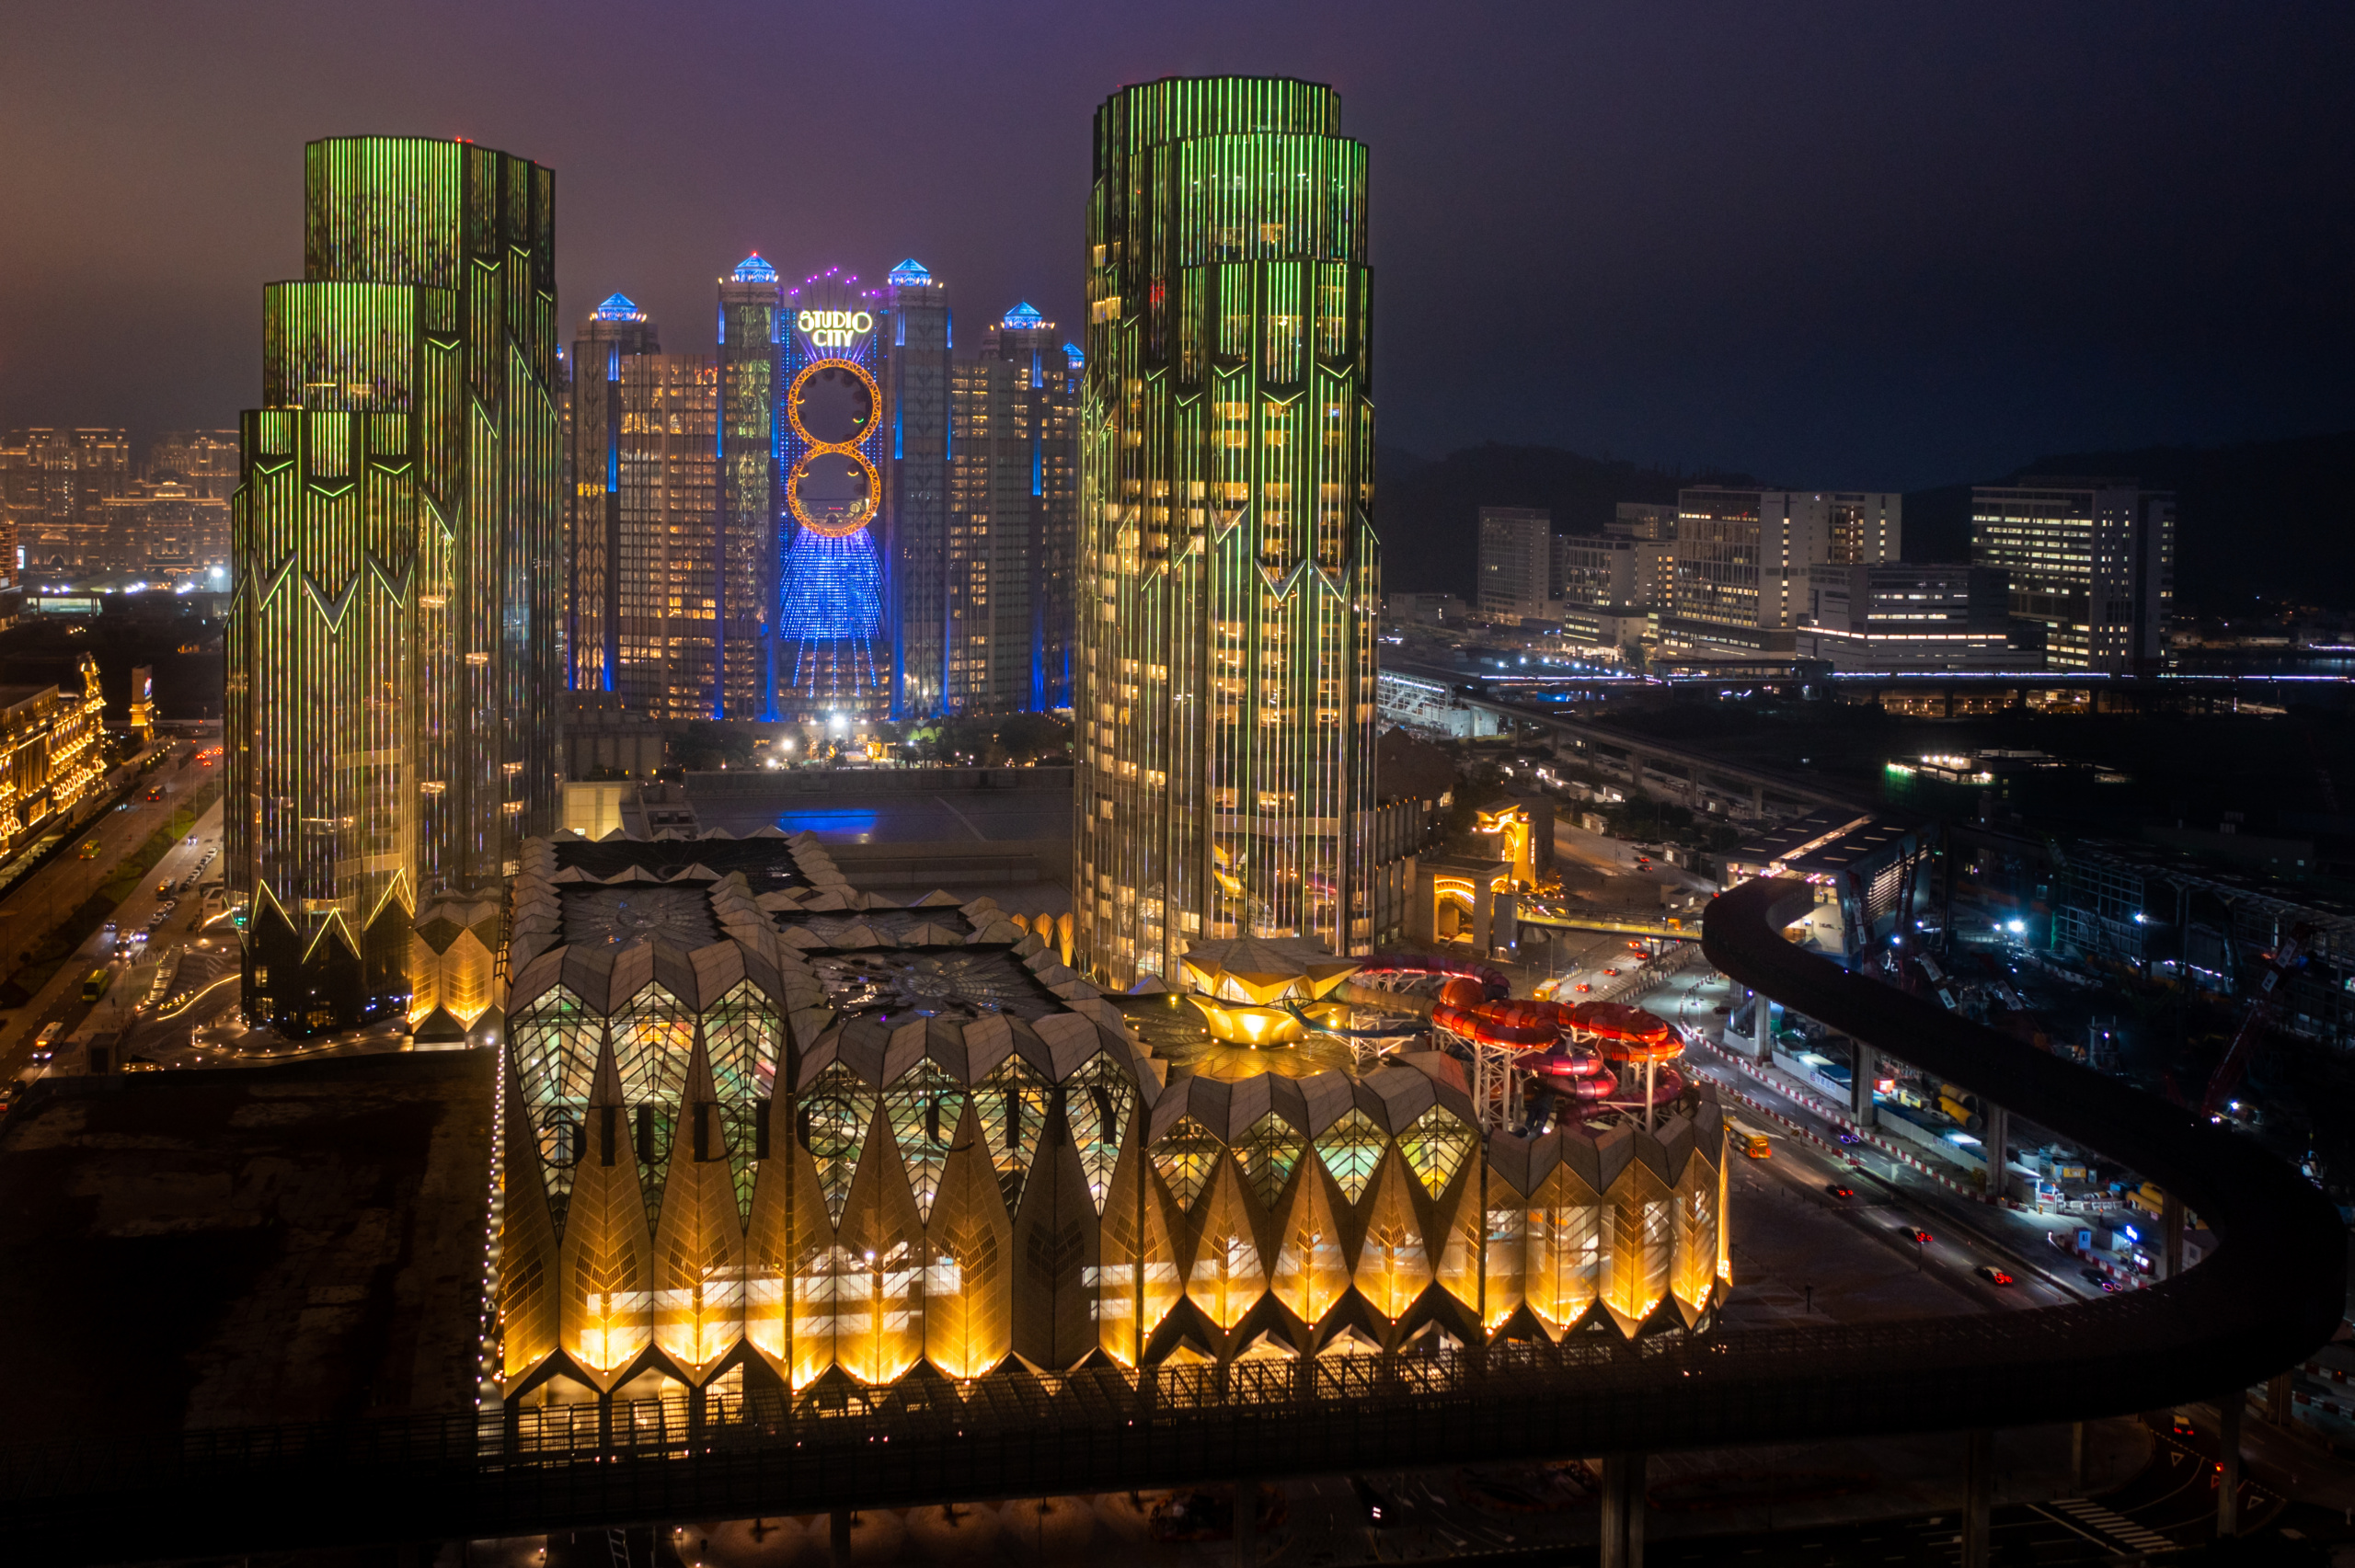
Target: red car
column 1918, row 1237
column 1610, row 971
column 1836, row 1190
column 1991, row 1275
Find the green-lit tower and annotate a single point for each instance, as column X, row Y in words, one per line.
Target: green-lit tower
column 396, row 652
column 1224, row 694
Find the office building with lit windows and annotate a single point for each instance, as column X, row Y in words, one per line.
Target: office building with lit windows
column 1013, row 521
column 1740, row 583
column 615, row 330
column 917, row 349
column 1224, row 693
column 644, row 543
column 752, row 306
column 395, row 641
column 54, row 487
column 1904, row 616
column 2092, row 562
column 1519, row 578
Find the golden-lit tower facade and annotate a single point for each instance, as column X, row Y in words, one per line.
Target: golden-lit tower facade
column 394, row 640
column 1225, row 683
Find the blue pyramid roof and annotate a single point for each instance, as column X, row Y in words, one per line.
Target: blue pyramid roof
column 1025, row 315
column 753, row 270
column 617, row 306
column 910, row 274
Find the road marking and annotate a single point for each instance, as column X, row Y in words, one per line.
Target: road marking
column 2117, row 1527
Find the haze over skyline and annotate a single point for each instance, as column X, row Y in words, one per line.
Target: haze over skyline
column 1843, row 245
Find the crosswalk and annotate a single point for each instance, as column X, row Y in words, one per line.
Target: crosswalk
column 2084, row 1515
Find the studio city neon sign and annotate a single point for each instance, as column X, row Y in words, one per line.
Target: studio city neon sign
column 834, row 328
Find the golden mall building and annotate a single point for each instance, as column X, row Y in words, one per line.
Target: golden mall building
column 52, row 753
column 762, row 1129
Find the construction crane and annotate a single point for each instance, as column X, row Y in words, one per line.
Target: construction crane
column 2228, row 1073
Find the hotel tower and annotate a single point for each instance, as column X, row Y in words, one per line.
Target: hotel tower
column 1225, row 683
column 394, row 652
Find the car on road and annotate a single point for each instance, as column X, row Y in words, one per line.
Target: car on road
column 1991, row 1275
column 1916, row 1235
column 1582, row 988
column 2092, row 1277
column 1838, row 1191
column 1611, row 971
column 89, row 849
column 1850, row 1138
column 96, row 985
column 155, row 793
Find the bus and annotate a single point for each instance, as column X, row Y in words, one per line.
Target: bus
column 45, row 1043
column 96, row 986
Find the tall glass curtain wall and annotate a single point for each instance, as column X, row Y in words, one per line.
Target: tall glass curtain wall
column 1224, row 691
column 395, row 642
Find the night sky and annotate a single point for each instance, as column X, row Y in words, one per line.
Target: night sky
column 1855, row 244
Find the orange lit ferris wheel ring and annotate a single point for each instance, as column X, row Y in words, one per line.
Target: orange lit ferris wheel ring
column 835, row 527
column 831, row 527
column 793, row 403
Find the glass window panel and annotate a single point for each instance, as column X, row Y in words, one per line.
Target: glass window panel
column 1352, row 1151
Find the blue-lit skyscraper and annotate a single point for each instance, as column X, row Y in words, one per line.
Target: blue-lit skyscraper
column 1013, row 516
column 916, row 346
column 833, row 650
column 616, row 330
column 750, row 303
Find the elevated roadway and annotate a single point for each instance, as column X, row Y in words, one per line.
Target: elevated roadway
column 2271, row 1291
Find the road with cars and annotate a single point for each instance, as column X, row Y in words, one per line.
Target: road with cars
column 1967, row 1234
column 168, row 909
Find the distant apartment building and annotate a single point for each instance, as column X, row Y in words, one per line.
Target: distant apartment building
column 161, row 529
column 1013, row 521
column 54, row 485
column 1516, row 575
column 1650, row 520
column 643, row 518
column 2092, row 561
column 1742, row 557
column 203, row 461
column 1900, row 616
column 1599, row 571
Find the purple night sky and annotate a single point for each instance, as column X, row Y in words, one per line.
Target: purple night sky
column 1853, row 244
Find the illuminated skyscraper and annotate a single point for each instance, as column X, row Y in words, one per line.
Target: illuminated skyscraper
column 645, row 553
column 833, row 650
column 1014, row 495
column 751, row 306
column 395, row 642
column 916, row 342
column 615, row 330
column 1224, row 691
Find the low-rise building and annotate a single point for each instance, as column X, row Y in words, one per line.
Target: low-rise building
column 1900, row 617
